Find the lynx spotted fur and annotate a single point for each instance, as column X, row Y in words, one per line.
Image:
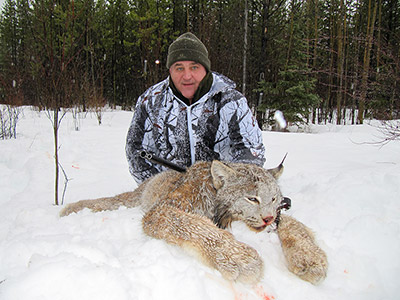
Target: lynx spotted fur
column 192, row 210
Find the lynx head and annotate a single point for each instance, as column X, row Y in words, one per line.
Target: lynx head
column 245, row 193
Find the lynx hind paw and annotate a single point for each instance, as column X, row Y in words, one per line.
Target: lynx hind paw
column 240, row 263
column 304, row 257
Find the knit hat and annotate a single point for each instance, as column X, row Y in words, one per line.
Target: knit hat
column 188, row 47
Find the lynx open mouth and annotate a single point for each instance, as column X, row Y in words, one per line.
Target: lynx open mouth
column 267, row 222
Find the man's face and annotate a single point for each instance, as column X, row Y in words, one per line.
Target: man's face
column 186, row 76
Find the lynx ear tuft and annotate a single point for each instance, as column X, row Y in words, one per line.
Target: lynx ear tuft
column 220, row 172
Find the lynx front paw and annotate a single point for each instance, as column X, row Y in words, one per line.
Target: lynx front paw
column 238, row 262
column 304, row 257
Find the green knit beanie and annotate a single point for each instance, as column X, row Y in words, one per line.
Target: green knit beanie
column 188, row 47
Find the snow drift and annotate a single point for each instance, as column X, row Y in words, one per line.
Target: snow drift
column 346, row 190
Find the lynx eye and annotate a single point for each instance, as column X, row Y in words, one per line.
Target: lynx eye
column 253, row 200
column 273, row 199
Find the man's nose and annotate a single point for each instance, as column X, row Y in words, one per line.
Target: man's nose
column 187, row 74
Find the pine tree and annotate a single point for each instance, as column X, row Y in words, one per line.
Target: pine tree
column 293, row 90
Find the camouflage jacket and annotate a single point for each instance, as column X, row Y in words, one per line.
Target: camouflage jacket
column 220, row 125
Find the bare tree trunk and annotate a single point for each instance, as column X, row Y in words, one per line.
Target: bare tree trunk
column 315, row 48
column 246, row 13
column 327, row 105
column 289, row 48
column 366, row 63
column 57, row 170
column 341, row 49
column 378, row 51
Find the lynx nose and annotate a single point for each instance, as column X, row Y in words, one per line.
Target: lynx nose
column 268, row 220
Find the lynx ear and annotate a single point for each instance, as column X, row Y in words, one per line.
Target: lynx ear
column 277, row 172
column 220, row 172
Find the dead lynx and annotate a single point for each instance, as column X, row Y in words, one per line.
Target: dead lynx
column 192, row 209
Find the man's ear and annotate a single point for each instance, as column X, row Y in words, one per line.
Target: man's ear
column 220, row 173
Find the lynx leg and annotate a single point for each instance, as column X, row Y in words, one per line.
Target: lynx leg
column 304, row 257
column 216, row 247
column 128, row 199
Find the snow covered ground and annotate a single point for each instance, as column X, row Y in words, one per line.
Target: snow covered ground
column 347, row 191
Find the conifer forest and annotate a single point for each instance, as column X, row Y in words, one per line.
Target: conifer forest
column 316, row 61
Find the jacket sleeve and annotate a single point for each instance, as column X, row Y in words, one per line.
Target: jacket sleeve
column 139, row 168
column 246, row 143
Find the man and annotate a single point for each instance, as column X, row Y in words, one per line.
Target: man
column 193, row 115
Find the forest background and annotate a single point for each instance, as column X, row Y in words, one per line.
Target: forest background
column 317, row 61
